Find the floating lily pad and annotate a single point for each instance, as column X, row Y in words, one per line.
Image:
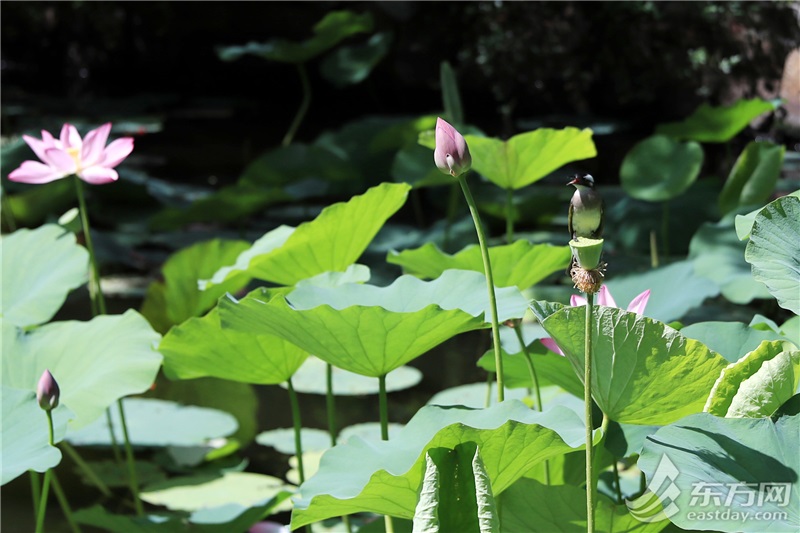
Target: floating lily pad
column 660, row 168
column 520, row 264
column 753, row 177
column 750, row 464
column 95, row 362
column 716, row 124
column 24, row 441
column 201, row 347
column 311, row 378
column 331, row 242
column 313, row 440
column 158, row 423
column 368, row 431
column 772, row 251
column 373, row 330
column 385, row 477
column 472, row 395
column 758, row 384
column 643, row 372
column 40, row 267
column 328, row 32
column 528, row 157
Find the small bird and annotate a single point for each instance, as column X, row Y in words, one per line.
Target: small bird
column 585, row 209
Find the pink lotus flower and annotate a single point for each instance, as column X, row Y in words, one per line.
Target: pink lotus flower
column 452, row 153
column 604, row 297
column 89, row 158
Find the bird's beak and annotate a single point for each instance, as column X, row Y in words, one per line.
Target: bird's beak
column 573, row 182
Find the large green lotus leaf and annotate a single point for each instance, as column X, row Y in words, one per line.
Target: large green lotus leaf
column 705, row 465
column 178, row 297
column 753, row 176
column 348, row 65
column 756, row 385
column 660, row 168
column 730, row 339
column 744, row 223
column 198, row 492
column 385, row 477
column 643, row 372
column 201, row 347
column 534, row 507
column 221, row 519
column 456, row 493
column 520, row 264
column 530, row 156
column 718, row 255
column 311, row 378
column 772, row 251
column 24, row 435
column 39, row 268
column 454, row 289
column 716, row 124
column 675, row 290
column 331, row 242
column 157, row 423
column 373, row 330
column 95, row 362
column 328, row 32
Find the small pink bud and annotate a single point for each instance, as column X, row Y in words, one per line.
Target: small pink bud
column 47, row 391
column 452, row 153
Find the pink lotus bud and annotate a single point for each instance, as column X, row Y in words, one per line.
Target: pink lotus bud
column 47, row 391
column 452, row 153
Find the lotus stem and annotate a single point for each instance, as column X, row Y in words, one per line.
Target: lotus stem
column 616, row 483
column 304, row 105
column 330, row 402
column 65, row 508
column 298, row 427
column 133, row 482
column 539, row 406
column 36, row 485
column 84, row 466
column 114, row 443
column 587, row 403
column 489, row 381
column 383, row 406
column 509, row 217
column 42, row 509
column 487, row 268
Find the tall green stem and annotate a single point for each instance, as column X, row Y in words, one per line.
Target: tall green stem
column 539, row 406
column 298, row 427
column 587, row 401
column 330, row 402
column 42, row 510
column 133, row 481
column 84, row 466
column 95, row 290
column 65, row 508
column 383, row 406
column 617, row 486
column 487, row 268
column 304, row 105
column 36, row 486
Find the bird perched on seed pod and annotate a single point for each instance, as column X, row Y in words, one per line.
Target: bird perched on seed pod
column 585, row 209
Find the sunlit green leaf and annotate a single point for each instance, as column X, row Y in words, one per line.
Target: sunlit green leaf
column 373, row 330
column 748, row 465
column 534, row 507
column 772, row 251
column 530, row 156
column 179, row 296
column 40, row 267
column 643, row 372
column 94, row 362
column 201, row 347
column 550, row 369
column 24, row 435
column 157, row 423
column 660, row 168
column 474, row 395
column 730, row 339
column 328, row 32
column 331, row 242
column 744, row 223
column 385, row 477
column 753, row 176
column 716, row 124
column 756, row 385
column 520, row 264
